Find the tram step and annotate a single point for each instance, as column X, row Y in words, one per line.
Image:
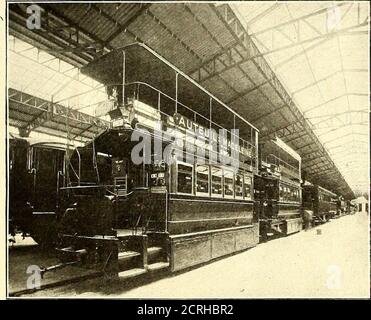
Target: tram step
column 158, row 266
column 131, row 273
column 128, row 255
column 70, row 254
column 128, row 260
column 71, row 250
column 124, row 237
column 155, row 254
column 154, row 250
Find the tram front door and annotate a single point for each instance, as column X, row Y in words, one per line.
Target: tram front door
column 46, row 169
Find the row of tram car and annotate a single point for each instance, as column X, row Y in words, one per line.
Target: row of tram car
column 167, row 186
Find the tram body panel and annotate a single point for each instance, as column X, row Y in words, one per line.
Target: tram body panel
column 203, row 229
column 278, row 191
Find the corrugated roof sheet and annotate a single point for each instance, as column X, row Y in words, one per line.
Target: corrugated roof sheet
column 196, row 38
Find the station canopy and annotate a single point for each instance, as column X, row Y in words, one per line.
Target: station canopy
column 320, row 53
column 297, row 71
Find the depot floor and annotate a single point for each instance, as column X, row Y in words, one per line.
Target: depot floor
column 329, row 261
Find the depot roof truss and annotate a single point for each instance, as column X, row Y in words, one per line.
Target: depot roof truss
column 29, row 113
column 240, row 50
column 317, row 34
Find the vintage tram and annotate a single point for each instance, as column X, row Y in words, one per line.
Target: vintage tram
column 277, row 190
column 343, row 207
column 319, row 203
column 36, row 172
column 167, row 186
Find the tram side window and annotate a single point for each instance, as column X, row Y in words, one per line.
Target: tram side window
column 247, row 187
column 202, row 180
column 281, row 193
column 295, row 195
column 238, row 185
column 216, row 182
column 185, row 178
column 292, row 194
column 228, row 184
column 286, row 193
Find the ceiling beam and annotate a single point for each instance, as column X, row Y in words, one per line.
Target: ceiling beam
column 121, row 27
column 262, row 14
column 326, row 36
column 293, row 21
column 334, row 99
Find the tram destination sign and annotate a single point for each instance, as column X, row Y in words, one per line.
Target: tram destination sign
column 211, row 135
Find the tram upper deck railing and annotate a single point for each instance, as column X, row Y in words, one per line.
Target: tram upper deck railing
column 139, row 63
column 285, row 168
column 144, row 60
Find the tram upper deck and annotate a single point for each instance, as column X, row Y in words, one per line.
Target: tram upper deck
column 145, row 88
column 280, row 168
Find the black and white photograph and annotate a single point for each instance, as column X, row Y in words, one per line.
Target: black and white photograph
column 186, row 150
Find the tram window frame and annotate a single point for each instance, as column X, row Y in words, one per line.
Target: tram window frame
column 292, row 197
column 200, row 193
column 297, row 194
column 238, row 174
column 288, row 193
column 284, row 198
column 228, row 196
column 179, row 163
column 281, row 192
column 245, row 178
column 212, row 174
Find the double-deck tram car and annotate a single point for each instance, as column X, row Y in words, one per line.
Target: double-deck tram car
column 277, row 190
column 321, row 203
column 343, row 207
column 167, row 186
column 36, row 172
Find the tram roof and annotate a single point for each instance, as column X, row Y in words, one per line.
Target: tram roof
column 327, row 191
